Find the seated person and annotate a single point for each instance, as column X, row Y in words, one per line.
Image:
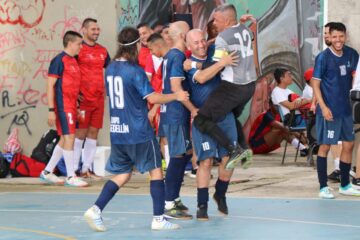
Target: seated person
column 267, row 132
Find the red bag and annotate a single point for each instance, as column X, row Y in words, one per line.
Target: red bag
column 24, row 166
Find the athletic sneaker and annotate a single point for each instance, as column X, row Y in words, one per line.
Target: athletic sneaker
column 192, row 173
column 180, row 206
column 176, row 213
column 51, row 178
column 325, row 193
column 201, row 213
column 304, row 152
column 163, row 224
column 353, row 172
column 94, row 219
column 239, row 155
column 75, row 182
column 335, row 176
column 221, row 203
column 356, row 183
column 349, row 190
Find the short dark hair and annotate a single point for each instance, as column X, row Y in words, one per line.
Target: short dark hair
column 329, row 24
column 127, row 41
column 154, row 37
column 70, row 36
column 338, row 26
column 279, row 73
column 226, row 7
column 140, row 25
column 86, row 21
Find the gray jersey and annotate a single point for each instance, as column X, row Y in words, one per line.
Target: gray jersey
column 238, row 38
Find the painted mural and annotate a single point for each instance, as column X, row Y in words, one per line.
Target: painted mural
column 287, row 33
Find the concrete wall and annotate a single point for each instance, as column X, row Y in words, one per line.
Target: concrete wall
column 348, row 12
column 30, row 36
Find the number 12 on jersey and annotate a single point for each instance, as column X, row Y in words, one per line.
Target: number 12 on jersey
column 116, row 91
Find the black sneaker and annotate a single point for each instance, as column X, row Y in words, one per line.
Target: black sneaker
column 304, row 152
column 221, row 203
column 180, row 206
column 175, row 213
column 201, row 213
column 237, row 155
column 335, row 176
column 356, row 183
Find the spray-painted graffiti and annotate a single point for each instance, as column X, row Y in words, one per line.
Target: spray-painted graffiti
column 26, row 13
column 68, row 23
column 128, row 13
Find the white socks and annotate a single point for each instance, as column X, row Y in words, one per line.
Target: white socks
column 167, row 155
column 337, row 163
column 69, row 163
column 89, row 153
column 169, row 205
column 295, row 143
column 55, row 158
column 77, row 152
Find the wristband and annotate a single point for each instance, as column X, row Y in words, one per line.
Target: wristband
column 193, row 64
column 51, row 109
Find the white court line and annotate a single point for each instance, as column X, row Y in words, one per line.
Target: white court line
column 228, row 197
column 232, row 216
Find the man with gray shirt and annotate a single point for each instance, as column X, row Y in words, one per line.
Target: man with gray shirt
column 236, row 88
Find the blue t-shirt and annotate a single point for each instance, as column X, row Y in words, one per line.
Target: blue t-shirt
column 200, row 92
column 127, row 87
column 335, row 73
column 173, row 113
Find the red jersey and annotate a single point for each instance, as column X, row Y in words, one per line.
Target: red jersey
column 262, row 124
column 143, row 54
column 153, row 68
column 67, row 72
column 92, row 61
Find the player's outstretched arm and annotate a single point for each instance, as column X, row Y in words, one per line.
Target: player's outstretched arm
column 180, row 96
column 50, row 95
column 202, row 76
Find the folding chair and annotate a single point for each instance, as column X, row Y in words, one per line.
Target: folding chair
column 299, row 127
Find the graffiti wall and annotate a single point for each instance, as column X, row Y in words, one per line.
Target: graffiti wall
column 30, row 36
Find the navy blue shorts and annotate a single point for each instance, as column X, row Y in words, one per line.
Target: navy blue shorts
column 206, row 147
column 330, row 132
column 178, row 138
column 144, row 156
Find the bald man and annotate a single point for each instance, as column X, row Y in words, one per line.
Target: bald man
column 202, row 84
column 174, row 116
column 236, row 88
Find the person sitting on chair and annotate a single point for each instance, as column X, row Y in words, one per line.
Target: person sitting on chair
column 280, row 97
column 267, row 132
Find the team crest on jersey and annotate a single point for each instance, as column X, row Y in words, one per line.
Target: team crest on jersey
column 342, row 70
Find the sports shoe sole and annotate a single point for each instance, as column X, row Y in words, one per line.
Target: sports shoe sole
column 247, row 154
column 178, row 218
column 44, row 180
column 349, row 194
column 90, row 222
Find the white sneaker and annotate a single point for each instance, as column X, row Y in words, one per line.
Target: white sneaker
column 325, row 193
column 94, row 219
column 349, row 190
column 75, row 182
column 51, row 178
column 163, row 224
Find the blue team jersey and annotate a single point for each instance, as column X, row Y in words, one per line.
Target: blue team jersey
column 200, row 92
column 173, row 113
column 335, row 73
column 127, row 87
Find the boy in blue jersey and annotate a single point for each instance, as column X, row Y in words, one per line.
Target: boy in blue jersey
column 174, row 116
column 332, row 81
column 202, row 84
column 133, row 142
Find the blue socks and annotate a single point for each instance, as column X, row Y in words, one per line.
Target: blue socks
column 202, row 196
column 157, row 191
column 221, row 188
column 345, row 169
column 321, row 163
column 109, row 190
column 174, row 177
